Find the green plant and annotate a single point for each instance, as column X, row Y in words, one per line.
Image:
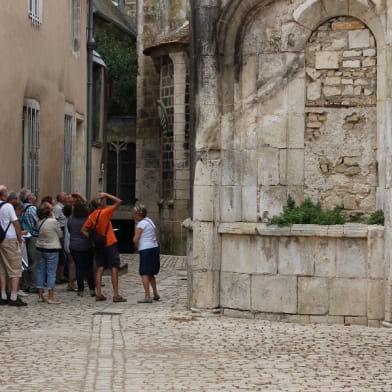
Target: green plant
column 118, row 50
column 307, row 213
column 377, row 218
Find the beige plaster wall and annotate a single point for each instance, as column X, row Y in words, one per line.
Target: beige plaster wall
column 38, row 63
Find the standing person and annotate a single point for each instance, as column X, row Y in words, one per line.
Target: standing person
column 145, row 239
column 108, row 256
column 10, row 253
column 58, row 214
column 48, row 248
column 29, row 221
column 81, row 248
column 67, row 210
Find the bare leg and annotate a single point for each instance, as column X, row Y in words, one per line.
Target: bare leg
column 50, row 295
column 3, row 285
column 115, row 282
column 146, row 285
column 98, row 279
column 41, row 294
column 153, row 283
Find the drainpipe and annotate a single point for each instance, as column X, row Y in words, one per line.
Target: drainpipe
column 90, row 48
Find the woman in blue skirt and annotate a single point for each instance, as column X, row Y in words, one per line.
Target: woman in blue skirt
column 145, row 239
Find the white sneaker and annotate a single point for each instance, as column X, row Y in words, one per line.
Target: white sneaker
column 21, row 293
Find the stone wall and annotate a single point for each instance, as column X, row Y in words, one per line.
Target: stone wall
column 341, row 118
column 264, row 131
column 307, row 273
column 162, row 178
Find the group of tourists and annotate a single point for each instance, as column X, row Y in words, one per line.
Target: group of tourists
column 41, row 243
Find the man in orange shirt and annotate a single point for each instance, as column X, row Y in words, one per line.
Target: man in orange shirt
column 108, row 256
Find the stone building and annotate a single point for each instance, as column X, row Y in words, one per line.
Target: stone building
column 117, row 108
column 162, row 140
column 43, row 87
column 291, row 97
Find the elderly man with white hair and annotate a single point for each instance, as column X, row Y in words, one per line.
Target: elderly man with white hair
column 10, row 253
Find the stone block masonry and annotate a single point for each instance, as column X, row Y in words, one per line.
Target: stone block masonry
column 305, row 271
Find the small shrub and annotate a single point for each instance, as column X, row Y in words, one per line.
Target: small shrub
column 377, row 218
column 307, row 213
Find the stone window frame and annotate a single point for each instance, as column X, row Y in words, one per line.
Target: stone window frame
column 31, row 145
column 69, row 126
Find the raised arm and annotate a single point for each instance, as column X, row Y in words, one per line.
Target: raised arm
column 115, row 199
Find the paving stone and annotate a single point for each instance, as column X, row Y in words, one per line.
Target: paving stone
column 164, row 347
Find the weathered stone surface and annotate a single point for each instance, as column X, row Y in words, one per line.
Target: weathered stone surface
column 376, row 254
column 275, row 294
column 205, row 289
column 296, row 256
column 327, row 60
column 245, row 247
column 348, row 297
column 313, row 296
column 268, row 166
column 272, row 200
column 267, row 250
column 359, row 38
column 204, row 209
column 235, row 290
column 351, row 64
column 273, row 130
column 355, row 321
column 314, row 91
column 330, row 320
column 295, row 166
column 309, row 12
column 351, row 260
column 204, row 250
column 249, row 204
column 376, row 299
column 230, row 203
column 348, row 25
column 325, row 260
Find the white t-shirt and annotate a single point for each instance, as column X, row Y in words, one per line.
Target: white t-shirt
column 7, row 215
column 148, row 238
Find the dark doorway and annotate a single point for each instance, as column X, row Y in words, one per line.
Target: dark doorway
column 124, row 233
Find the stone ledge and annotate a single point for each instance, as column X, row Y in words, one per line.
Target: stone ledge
column 348, row 230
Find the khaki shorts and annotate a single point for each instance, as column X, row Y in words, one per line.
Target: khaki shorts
column 10, row 258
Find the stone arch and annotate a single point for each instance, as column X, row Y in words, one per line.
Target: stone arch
column 341, row 116
column 261, row 127
column 306, row 17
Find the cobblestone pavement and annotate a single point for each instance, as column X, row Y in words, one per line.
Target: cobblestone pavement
column 85, row 346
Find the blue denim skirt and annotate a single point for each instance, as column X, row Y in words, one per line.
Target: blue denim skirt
column 149, row 261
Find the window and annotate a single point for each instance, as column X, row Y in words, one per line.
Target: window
column 166, row 111
column 121, row 170
column 67, row 168
column 30, row 145
column 75, row 25
column 35, row 11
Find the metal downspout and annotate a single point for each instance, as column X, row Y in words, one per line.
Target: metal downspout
column 90, row 48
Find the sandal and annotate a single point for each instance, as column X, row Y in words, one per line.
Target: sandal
column 145, row 301
column 100, row 298
column 156, row 298
column 119, row 299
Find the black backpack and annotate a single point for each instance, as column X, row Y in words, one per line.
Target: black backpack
column 2, row 231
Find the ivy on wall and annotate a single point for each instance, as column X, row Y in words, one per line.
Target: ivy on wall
column 118, row 51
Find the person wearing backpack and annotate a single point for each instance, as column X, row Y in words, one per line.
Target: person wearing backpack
column 10, row 253
column 29, row 221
